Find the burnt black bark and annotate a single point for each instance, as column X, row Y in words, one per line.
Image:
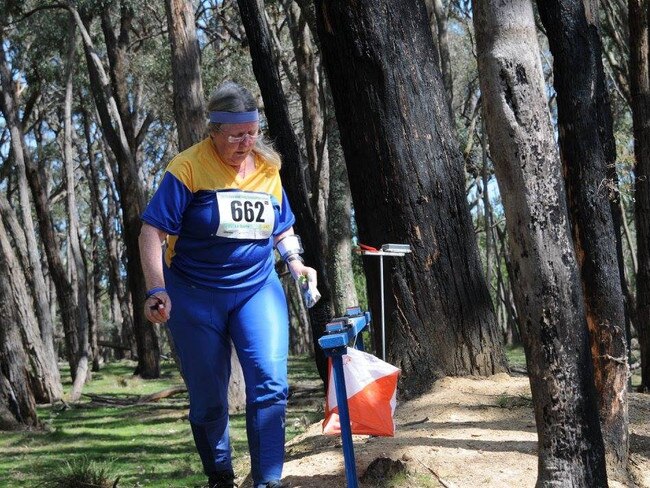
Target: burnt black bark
column 544, row 268
column 286, row 142
column 407, row 181
column 587, row 149
column 640, row 84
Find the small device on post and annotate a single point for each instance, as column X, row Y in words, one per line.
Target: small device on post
column 396, row 248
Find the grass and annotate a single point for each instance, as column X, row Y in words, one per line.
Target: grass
column 82, row 473
column 144, row 445
column 516, row 357
column 148, row 445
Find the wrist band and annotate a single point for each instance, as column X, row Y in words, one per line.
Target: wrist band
column 288, row 246
column 153, row 291
column 294, row 257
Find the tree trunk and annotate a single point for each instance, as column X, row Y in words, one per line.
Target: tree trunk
column 277, row 113
column 438, row 23
column 65, row 294
column 577, row 68
column 17, row 405
column 312, row 101
column 188, row 90
column 548, row 292
column 95, row 291
column 190, row 122
column 122, row 318
column 513, row 322
column 45, row 381
column 76, row 265
column 339, row 222
column 487, row 206
column 9, row 105
column 129, row 186
column 640, row 82
column 331, row 201
column 408, row 186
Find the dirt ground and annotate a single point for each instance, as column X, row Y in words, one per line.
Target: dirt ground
column 465, row 433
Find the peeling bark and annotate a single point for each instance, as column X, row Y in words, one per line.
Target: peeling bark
column 548, row 293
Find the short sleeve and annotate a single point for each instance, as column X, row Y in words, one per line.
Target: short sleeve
column 165, row 210
column 287, row 218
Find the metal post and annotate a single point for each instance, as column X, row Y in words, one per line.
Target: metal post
column 344, row 418
column 383, row 326
column 340, row 332
column 394, row 250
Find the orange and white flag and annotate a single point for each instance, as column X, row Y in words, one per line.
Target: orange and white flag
column 371, row 387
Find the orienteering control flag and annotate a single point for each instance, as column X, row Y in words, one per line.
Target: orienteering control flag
column 371, row 386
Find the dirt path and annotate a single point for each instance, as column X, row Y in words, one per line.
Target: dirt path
column 465, row 433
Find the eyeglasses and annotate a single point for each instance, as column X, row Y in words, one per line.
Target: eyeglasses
column 240, row 139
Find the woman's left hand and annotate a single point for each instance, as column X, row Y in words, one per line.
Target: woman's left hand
column 298, row 269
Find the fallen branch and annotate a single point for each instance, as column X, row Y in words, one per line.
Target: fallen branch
column 112, row 400
column 154, row 397
column 123, row 401
column 415, row 422
column 444, row 483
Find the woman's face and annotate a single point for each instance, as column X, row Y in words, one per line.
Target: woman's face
column 234, row 142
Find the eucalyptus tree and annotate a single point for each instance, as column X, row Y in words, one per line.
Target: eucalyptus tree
column 125, row 122
column 25, row 232
column 45, row 373
column 76, row 263
column 328, row 184
column 286, row 142
column 408, row 185
column 104, row 203
column 17, row 403
column 639, row 18
column 186, row 71
column 587, row 152
column 548, row 290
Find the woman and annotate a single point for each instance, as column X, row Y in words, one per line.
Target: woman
column 221, row 208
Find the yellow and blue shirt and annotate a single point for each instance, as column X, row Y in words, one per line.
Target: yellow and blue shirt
column 220, row 226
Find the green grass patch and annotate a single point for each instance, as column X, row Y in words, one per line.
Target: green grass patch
column 83, row 473
column 146, row 445
column 516, row 357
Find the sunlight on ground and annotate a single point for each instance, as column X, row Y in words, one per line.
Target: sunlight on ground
column 145, row 445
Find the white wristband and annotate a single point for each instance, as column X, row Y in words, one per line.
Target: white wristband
column 289, row 245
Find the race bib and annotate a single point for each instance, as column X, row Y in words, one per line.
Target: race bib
column 245, row 215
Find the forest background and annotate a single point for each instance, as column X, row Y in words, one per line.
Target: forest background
column 535, row 235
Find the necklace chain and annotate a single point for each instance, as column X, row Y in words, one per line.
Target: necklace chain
column 244, row 168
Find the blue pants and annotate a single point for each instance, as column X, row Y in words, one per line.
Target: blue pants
column 202, row 323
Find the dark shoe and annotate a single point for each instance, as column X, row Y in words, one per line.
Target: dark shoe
column 273, row 484
column 222, row 479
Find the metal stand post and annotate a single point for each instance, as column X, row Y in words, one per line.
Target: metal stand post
column 394, row 250
column 344, row 418
column 383, row 321
column 340, row 332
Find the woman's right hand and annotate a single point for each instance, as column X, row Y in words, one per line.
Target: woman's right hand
column 157, row 307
